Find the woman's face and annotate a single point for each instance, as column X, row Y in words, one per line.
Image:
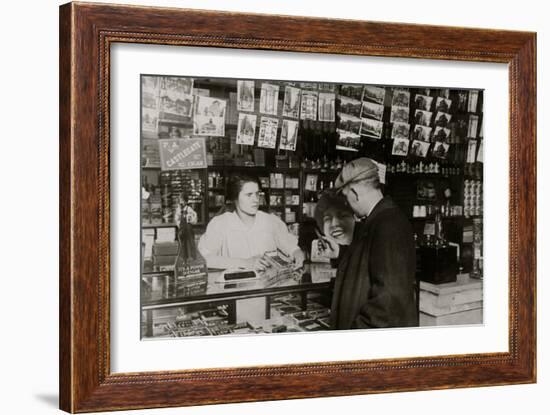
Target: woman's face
column 249, row 199
column 338, row 224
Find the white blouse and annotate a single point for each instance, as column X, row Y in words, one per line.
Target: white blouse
column 227, row 236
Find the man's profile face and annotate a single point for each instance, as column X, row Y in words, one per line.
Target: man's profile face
column 352, row 196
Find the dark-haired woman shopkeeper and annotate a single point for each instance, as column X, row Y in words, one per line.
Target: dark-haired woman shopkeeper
column 239, row 237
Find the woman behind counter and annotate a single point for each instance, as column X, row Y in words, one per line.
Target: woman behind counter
column 239, row 237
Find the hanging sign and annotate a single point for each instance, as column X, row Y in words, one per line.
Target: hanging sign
column 182, row 153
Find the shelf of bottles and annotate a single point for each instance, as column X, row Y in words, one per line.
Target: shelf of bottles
column 174, row 190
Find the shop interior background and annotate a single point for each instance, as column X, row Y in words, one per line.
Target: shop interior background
column 295, row 137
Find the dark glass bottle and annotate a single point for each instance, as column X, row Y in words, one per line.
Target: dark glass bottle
column 190, row 270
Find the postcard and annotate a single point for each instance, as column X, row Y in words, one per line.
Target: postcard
column 400, row 98
column 374, row 93
column 289, row 135
column 308, row 107
column 350, row 106
column 442, row 134
column 269, row 98
column 421, row 132
column 327, row 102
column 400, row 147
column 400, row 130
column 372, row 110
column 440, row 150
column 422, row 117
column 291, row 102
column 245, row 96
column 268, row 132
column 352, row 91
column 442, row 119
column 443, row 104
column 246, row 129
column 399, row 114
column 419, row 148
column 423, row 102
column 371, row 128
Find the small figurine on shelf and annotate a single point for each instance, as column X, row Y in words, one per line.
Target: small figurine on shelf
column 185, row 211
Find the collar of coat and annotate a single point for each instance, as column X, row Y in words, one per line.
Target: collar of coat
column 384, row 204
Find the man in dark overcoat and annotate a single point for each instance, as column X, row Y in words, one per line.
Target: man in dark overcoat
column 375, row 284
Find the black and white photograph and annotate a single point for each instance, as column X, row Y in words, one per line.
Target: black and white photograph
column 399, row 114
column 327, row 87
column 246, row 129
column 352, row 91
column 372, row 110
column 209, row 116
column 268, row 132
column 349, row 124
column 400, row 130
column 473, row 121
column 440, row 150
column 423, row 102
column 442, row 104
column 177, row 85
column 246, row 236
column 422, row 133
column 422, row 117
column 374, row 94
column 442, row 119
column 245, row 96
column 350, row 106
column 150, row 90
column 419, row 148
column 289, row 135
column 472, row 101
column 400, row 147
column 400, row 97
column 371, row 128
column 441, row 134
column 291, row 102
column 269, row 98
column 312, row 86
column 176, row 101
column 327, row 106
column 308, row 105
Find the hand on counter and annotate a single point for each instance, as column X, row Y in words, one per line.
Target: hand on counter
column 257, row 263
column 299, row 258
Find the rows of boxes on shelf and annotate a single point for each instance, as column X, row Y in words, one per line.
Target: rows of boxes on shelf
column 286, row 315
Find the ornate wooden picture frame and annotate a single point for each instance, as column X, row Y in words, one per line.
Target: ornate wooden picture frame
column 87, row 32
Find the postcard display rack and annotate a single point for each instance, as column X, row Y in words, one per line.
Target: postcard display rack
column 295, row 137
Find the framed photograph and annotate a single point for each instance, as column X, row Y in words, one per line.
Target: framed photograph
column 185, row 274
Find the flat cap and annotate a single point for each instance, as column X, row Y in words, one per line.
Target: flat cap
column 359, row 169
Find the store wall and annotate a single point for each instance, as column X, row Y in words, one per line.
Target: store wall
column 30, row 208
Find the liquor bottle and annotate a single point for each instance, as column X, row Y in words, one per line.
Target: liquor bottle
column 190, row 270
